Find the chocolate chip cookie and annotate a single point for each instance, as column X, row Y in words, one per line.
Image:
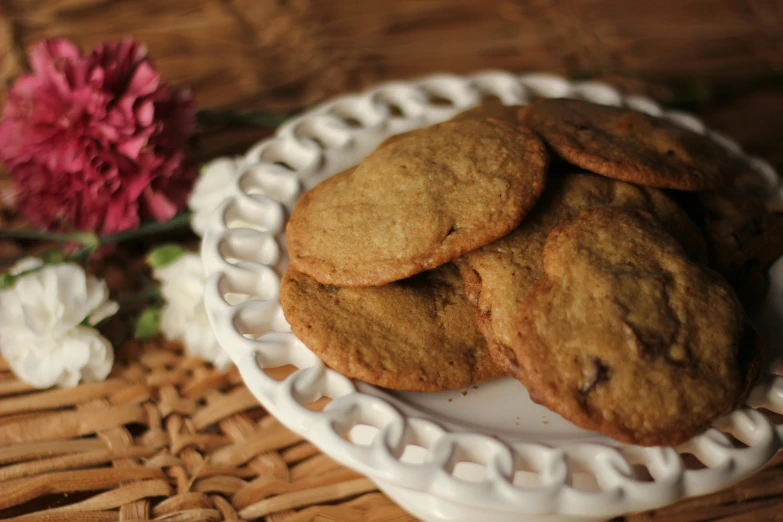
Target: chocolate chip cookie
column 417, row 334
column 418, row 203
column 491, row 109
column 743, row 237
column 499, row 276
column 626, row 335
column 631, row 146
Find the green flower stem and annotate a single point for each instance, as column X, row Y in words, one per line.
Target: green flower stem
column 91, row 241
column 48, row 257
column 255, row 119
column 181, row 220
column 84, row 238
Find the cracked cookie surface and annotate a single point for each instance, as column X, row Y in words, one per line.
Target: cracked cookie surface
column 417, row 203
column 631, row 146
column 499, row 276
column 626, row 335
column 417, row 334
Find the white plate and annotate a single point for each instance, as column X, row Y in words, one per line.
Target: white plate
column 484, row 453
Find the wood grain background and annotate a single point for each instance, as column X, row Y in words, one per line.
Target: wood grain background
column 283, row 54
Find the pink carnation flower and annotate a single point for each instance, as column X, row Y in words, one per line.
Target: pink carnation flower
column 96, row 142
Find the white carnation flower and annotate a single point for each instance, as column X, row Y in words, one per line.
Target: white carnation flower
column 42, row 332
column 184, row 316
column 25, row 264
column 210, row 189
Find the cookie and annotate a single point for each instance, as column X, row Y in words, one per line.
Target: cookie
column 499, row 276
column 743, row 237
column 417, row 203
column 631, row 146
column 416, row 335
column 627, row 336
column 488, row 110
column 491, row 109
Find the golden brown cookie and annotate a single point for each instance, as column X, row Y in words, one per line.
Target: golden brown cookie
column 743, row 237
column 631, row 146
column 488, row 110
column 491, row 109
column 417, row 203
column 499, row 276
column 627, row 336
column 416, row 335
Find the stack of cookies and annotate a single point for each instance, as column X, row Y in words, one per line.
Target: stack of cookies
column 599, row 255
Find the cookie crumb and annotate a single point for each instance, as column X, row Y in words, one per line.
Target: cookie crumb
column 464, row 393
column 451, row 400
column 475, row 387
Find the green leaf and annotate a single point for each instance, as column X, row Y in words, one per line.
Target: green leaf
column 148, row 324
column 164, row 255
column 7, row 281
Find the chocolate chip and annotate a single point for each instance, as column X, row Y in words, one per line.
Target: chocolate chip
column 600, row 373
column 651, row 338
column 647, row 341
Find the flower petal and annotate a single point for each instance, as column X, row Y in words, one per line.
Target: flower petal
column 85, row 134
column 210, row 189
column 132, row 146
column 25, row 264
column 107, row 309
column 184, row 316
column 145, row 80
column 82, row 354
column 160, row 206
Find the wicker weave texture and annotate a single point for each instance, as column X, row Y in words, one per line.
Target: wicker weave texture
column 167, row 437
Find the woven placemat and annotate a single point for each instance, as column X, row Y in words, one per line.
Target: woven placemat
column 168, row 437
